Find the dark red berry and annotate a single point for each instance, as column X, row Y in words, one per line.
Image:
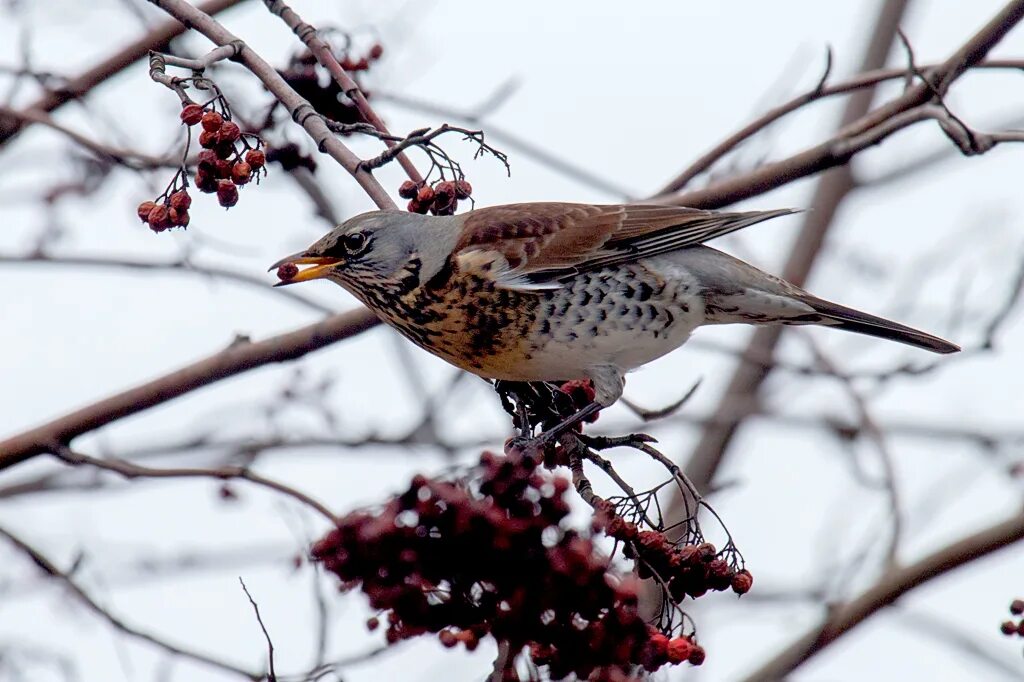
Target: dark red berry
column 679, row 649
column 207, row 139
column 182, row 218
column 227, row 193
column 463, row 189
column 207, row 160
column 425, row 195
column 229, row 132
column 696, row 655
column 408, row 189
column 181, row 200
column 742, row 582
column 1017, row 607
column 224, row 150
column 206, row 181
column 241, row 172
column 415, row 206
column 212, row 121
column 371, row 623
column 1008, row 628
column 376, row 51
column 286, row 272
column 144, row 210
column 256, row 158
column 191, row 114
column 159, row 218
column 222, row 169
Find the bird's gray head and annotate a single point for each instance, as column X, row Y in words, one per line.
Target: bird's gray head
column 380, row 251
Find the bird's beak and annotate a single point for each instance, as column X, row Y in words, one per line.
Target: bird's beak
column 320, row 266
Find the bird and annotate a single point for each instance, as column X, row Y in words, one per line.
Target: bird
column 554, row 291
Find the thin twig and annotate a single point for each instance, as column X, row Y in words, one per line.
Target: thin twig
column 271, row 674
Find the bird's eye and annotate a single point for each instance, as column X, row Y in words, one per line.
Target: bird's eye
column 354, row 243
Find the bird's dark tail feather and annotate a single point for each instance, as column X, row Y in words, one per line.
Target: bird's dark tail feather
column 841, row 317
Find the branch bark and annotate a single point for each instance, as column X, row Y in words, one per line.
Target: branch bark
column 888, row 590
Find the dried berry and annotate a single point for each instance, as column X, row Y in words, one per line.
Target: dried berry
column 1017, row 607
column 224, row 150
column 255, row 158
column 212, row 121
column 159, row 218
column 1008, row 628
column 227, row 193
column 241, row 172
column 207, row 160
column 144, row 210
column 206, row 181
column 207, row 139
column 463, row 189
column 191, row 114
column 415, row 206
column 425, row 195
column 180, row 217
column 222, row 169
column 229, row 132
column 697, row 655
column 287, row 271
column 408, row 189
column 376, row 51
column 742, row 582
column 679, row 649
column 180, row 200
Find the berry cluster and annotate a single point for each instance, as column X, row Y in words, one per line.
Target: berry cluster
column 308, row 78
column 1014, row 627
column 683, row 569
column 440, row 199
column 229, row 160
column 467, row 561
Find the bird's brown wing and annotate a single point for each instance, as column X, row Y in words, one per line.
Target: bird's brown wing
column 538, row 244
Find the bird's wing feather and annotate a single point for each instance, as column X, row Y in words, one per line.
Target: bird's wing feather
column 536, row 245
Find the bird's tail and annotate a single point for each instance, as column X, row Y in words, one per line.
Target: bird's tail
column 841, row 317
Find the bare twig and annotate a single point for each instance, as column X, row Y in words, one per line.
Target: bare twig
column 271, row 674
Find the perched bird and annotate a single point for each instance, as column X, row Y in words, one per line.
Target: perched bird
column 559, row 291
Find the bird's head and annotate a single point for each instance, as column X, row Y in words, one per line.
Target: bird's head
column 387, row 251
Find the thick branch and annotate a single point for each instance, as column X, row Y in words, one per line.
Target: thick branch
column 239, row 357
column 79, row 86
column 887, row 590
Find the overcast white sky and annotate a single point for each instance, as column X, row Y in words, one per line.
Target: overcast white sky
column 633, row 92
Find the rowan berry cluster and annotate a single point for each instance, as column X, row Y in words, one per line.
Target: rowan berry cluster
column 441, row 198
column 683, row 569
column 229, row 160
column 493, row 558
column 311, row 81
column 1014, row 626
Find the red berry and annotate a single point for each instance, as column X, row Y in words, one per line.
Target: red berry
column 448, row 638
column 207, row 158
column 182, row 218
column 696, row 655
column 463, row 189
column 227, row 193
column 1017, row 607
column 742, row 582
column 181, row 200
column 659, row 643
column 416, row 207
column 229, row 132
column 679, row 649
column 286, row 272
column 362, row 65
column 408, row 189
column 256, row 158
column 372, row 623
column 206, row 181
column 159, row 218
column 376, row 51
column 224, row 150
column 212, row 121
column 191, row 114
column 1008, row 628
column 241, row 172
column 222, row 169
column 425, row 195
column 207, row 139
column 144, row 210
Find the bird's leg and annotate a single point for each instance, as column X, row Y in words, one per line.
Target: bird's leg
column 608, row 382
column 562, row 426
